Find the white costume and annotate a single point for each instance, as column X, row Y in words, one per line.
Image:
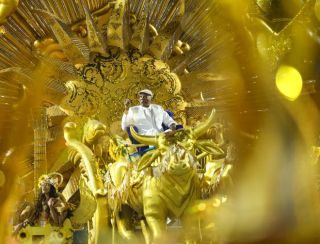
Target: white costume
column 148, row 120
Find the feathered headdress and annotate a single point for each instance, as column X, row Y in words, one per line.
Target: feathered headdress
column 54, row 179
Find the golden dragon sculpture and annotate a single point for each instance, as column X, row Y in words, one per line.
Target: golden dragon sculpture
column 99, row 229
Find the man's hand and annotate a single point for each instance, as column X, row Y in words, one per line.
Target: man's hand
column 172, row 127
column 127, row 104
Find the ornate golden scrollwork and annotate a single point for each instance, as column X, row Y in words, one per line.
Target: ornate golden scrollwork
column 117, row 76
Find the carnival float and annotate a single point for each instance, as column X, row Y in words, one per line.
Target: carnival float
column 240, row 80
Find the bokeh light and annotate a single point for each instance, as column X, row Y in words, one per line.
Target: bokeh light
column 289, row 82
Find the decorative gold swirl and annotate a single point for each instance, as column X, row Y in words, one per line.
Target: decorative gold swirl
column 119, row 75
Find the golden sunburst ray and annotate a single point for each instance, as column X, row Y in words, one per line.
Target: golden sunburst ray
column 140, row 35
column 74, row 49
column 65, row 68
column 95, row 38
column 118, row 31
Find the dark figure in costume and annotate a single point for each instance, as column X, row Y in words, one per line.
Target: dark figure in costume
column 51, row 207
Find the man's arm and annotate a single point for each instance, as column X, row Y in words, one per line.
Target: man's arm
column 127, row 119
column 168, row 121
column 127, row 115
column 125, row 122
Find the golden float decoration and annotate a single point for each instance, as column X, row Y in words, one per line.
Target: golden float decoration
column 241, row 77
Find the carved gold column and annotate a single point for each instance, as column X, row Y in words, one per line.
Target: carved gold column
column 40, row 127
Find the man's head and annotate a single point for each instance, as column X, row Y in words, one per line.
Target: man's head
column 145, row 97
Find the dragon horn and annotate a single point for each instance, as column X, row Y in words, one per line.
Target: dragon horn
column 147, row 140
column 203, row 127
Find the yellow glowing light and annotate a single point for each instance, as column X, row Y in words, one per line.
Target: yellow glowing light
column 224, row 199
column 202, row 206
column 226, row 170
column 2, row 30
column 210, row 226
column 289, row 82
column 216, row 203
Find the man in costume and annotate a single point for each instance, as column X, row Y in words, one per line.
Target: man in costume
column 147, row 118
